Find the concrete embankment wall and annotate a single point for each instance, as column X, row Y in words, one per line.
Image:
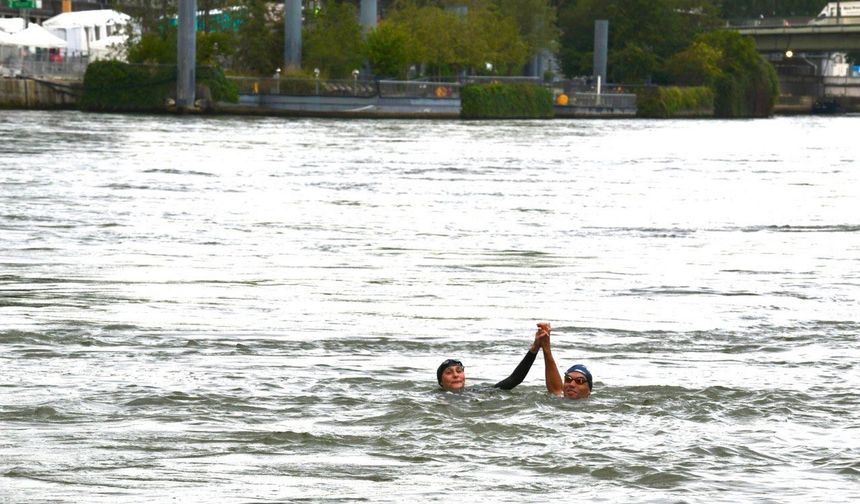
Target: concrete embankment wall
column 37, row 94
column 337, row 106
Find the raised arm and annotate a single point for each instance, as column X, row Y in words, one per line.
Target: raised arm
column 553, row 377
column 523, row 367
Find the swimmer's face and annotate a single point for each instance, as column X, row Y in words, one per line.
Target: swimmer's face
column 454, row 378
column 575, row 386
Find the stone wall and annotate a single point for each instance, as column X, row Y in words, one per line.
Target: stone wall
column 38, row 94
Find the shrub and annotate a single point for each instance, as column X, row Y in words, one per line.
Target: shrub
column 117, row 86
column 505, row 101
column 670, row 101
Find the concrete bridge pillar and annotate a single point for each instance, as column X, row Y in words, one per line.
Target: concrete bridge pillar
column 368, row 15
column 601, row 48
column 292, row 34
column 186, row 57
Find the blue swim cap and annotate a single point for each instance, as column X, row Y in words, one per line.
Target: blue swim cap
column 579, row 368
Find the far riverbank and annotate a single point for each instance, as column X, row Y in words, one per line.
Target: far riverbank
column 423, row 100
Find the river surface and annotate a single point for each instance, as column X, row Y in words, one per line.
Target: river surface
column 227, row 309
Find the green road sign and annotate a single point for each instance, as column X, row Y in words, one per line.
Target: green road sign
column 22, row 4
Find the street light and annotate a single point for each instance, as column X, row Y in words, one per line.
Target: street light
column 317, row 79
column 278, row 81
column 355, row 82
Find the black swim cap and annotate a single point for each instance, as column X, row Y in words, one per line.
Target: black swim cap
column 445, row 365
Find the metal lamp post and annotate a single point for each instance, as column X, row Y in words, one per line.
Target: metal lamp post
column 317, row 80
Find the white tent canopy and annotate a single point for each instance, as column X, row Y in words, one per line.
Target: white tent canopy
column 102, row 17
column 5, row 38
column 11, row 25
column 36, row 36
column 82, row 29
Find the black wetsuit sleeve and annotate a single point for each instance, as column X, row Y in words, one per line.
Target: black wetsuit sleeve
column 519, row 373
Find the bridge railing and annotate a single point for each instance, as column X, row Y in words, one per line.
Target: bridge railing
column 770, row 22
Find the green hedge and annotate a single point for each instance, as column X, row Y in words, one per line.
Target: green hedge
column 672, row 101
column 505, row 101
column 117, row 86
column 220, row 88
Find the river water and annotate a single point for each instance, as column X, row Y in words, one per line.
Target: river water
column 226, row 309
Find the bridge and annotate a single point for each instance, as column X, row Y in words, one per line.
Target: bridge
column 802, row 79
column 804, row 34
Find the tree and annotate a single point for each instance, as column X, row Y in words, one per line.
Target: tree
column 536, row 22
column 747, row 85
column 447, row 41
column 632, row 64
column 259, row 41
column 332, row 40
column 154, row 48
column 389, row 48
column 659, row 28
column 698, row 65
column 488, row 36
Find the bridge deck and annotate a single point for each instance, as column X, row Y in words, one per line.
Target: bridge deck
column 807, row 37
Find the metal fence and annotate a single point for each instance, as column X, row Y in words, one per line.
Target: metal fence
column 346, row 87
column 305, row 87
column 611, row 100
column 580, row 93
column 419, row 89
column 41, row 65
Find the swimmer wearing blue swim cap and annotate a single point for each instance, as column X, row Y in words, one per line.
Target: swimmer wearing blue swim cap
column 577, row 383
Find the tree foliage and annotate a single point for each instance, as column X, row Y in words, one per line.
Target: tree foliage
column 655, row 29
column 447, row 41
column 697, row 65
column 535, row 20
column 160, row 48
column 747, row 85
column 332, row 40
column 388, row 49
column 259, row 40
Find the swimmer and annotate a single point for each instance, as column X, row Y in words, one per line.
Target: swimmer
column 577, row 379
column 451, row 374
